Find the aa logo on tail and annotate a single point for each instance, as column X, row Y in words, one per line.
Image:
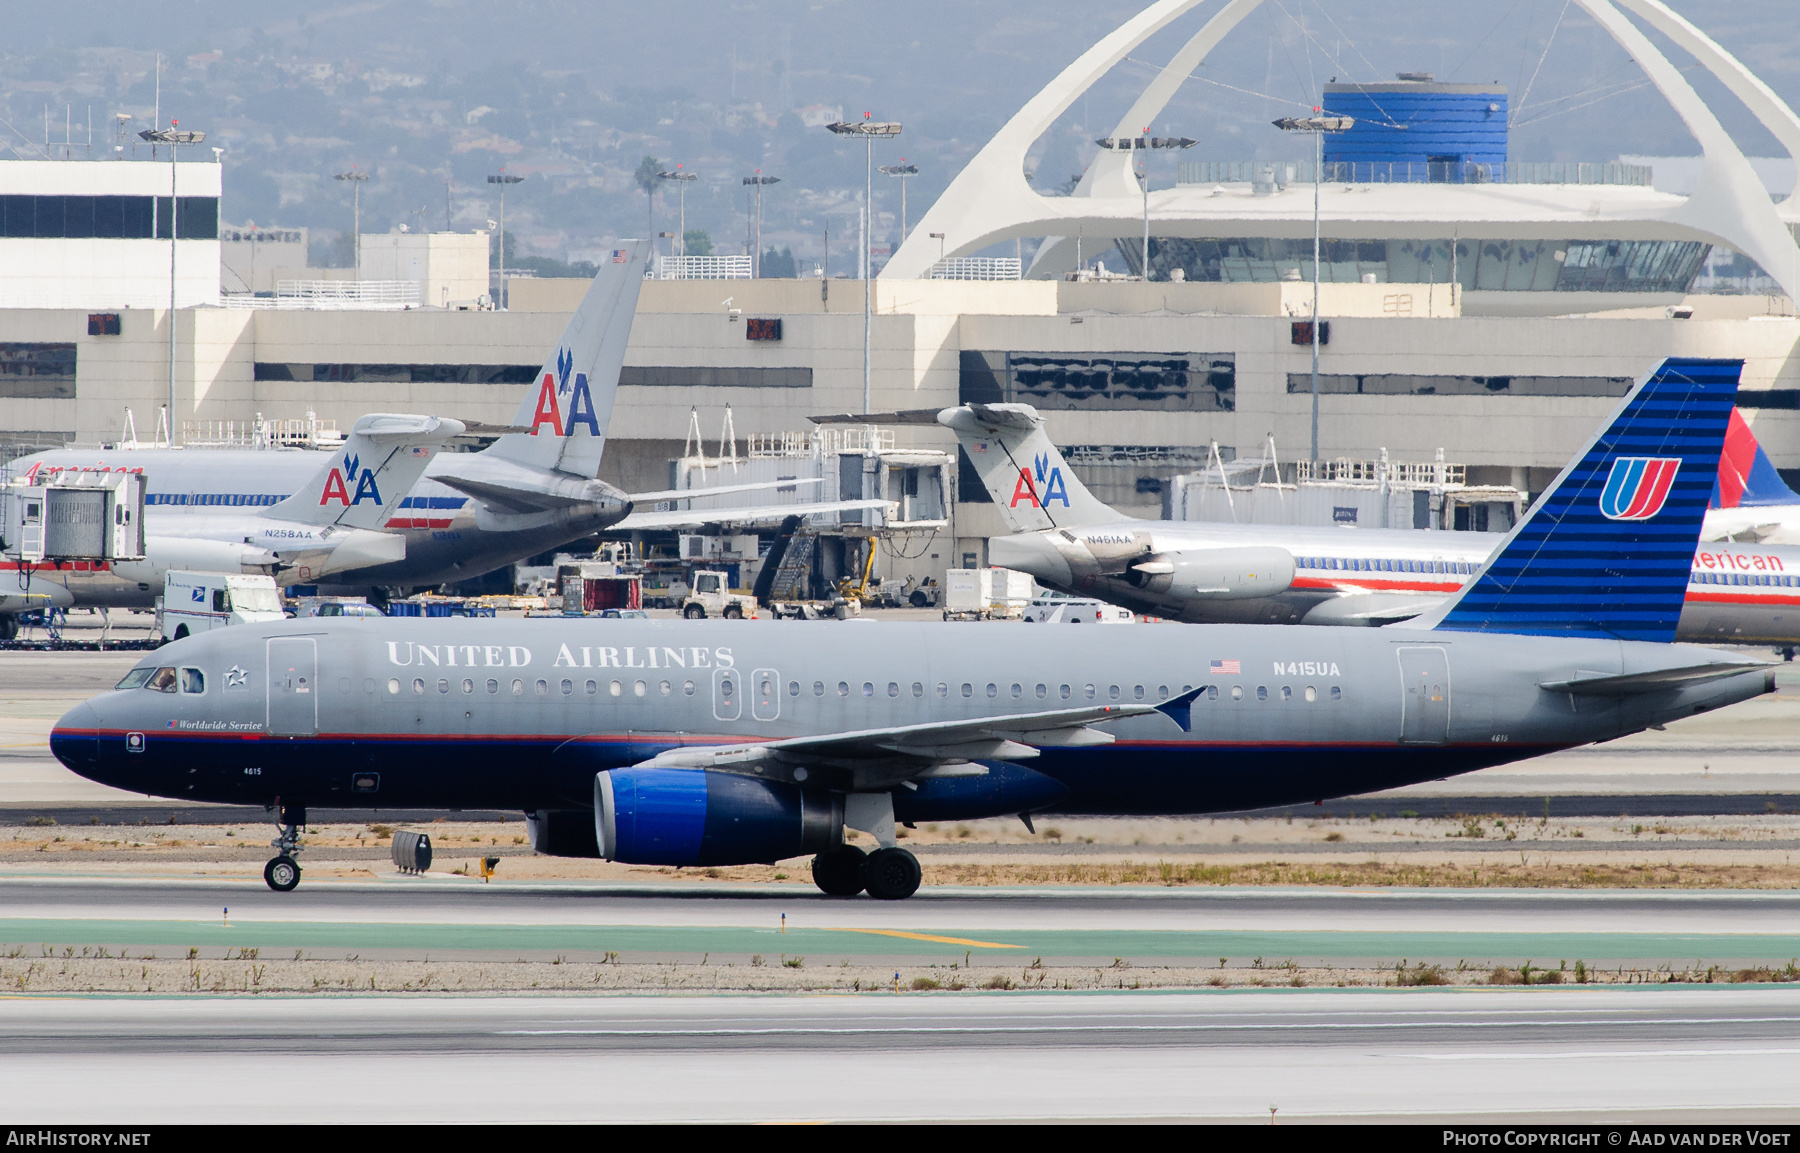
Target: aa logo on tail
column 549, row 405
column 1637, row 486
column 1047, row 488
column 338, row 480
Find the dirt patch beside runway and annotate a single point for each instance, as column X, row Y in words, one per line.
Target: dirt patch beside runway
column 85, row 970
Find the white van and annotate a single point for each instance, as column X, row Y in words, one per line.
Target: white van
column 193, row 602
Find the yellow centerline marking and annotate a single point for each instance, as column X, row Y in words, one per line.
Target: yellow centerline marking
column 929, row 937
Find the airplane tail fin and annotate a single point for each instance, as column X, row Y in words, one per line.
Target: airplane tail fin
column 1031, row 483
column 1747, row 479
column 365, row 480
column 1607, row 550
column 567, row 411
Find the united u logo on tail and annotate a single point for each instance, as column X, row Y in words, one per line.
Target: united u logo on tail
column 1048, row 487
column 1637, row 486
column 338, row 480
column 581, row 402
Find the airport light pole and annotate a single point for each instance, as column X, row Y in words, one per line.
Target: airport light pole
column 759, row 181
column 173, row 137
column 867, row 129
column 357, row 180
column 1139, row 143
column 902, row 170
column 1318, row 126
column 502, row 179
column 682, row 180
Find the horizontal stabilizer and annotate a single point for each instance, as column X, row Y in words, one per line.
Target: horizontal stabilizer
column 507, row 487
column 1655, row 681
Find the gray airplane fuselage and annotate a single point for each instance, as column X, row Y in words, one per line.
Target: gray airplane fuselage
column 215, row 494
column 521, row 714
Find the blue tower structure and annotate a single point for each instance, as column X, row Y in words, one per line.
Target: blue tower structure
column 1415, row 129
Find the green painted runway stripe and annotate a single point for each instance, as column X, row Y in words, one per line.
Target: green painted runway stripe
column 1201, row 947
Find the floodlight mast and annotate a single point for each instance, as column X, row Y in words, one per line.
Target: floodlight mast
column 172, row 137
column 682, row 180
column 758, row 181
column 1128, row 143
column 1317, row 126
column 503, row 179
column 902, row 170
column 357, row 180
column 867, row 129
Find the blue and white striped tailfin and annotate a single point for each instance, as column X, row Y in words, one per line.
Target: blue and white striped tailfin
column 1607, row 550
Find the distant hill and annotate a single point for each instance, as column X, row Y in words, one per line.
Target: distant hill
column 434, row 97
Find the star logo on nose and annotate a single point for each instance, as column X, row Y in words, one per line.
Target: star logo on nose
column 235, row 677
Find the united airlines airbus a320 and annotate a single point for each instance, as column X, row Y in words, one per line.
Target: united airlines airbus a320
column 716, row 742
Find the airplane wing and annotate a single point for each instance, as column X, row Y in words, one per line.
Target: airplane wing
column 722, row 489
column 874, row 758
column 767, row 514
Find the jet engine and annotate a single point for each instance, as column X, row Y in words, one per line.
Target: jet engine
column 657, row 816
column 1216, row 574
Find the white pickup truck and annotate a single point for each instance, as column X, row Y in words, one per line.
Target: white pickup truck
column 193, row 602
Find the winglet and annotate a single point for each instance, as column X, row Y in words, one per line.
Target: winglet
column 1179, row 709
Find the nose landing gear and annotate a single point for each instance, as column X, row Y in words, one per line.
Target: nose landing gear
column 283, row 872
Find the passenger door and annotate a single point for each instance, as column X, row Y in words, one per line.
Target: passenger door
column 293, row 687
column 1425, row 702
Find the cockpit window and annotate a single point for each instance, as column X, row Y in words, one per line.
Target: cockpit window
column 162, row 680
column 135, row 679
column 193, row 681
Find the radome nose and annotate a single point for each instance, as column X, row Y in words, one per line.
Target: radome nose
column 1030, row 553
column 75, row 740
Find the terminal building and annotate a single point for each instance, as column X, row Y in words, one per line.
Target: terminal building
column 1482, row 305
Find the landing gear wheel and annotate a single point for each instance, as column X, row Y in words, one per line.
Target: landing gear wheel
column 693, row 612
column 891, row 874
column 839, row 873
column 282, row 873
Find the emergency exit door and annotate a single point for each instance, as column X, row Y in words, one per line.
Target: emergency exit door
column 1425, row 703
column 293, row 687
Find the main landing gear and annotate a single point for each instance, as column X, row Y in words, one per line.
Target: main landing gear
column 283, row 872
column 887, row 874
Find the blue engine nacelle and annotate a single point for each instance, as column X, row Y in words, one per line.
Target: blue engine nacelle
column 1002, row 791
column 655, row 816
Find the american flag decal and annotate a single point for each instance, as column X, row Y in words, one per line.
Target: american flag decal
column 618, row 256
column 1226, row 669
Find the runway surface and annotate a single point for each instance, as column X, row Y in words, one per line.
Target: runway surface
column 408, row 917
column 1719, row 1055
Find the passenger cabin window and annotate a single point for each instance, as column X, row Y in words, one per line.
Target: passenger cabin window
column 394, row 686
column 193, row 681
column 1237, row 692
column 1018, row 690
column 793, row 688
column 134, row 679
column 818, row 688
column 968, row 690
column 1312, row 694
column 1337, row 694
column 843, row 688
column 1113, row 692
column 1287, row 692
column 1262, row 692
column 162, row 680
